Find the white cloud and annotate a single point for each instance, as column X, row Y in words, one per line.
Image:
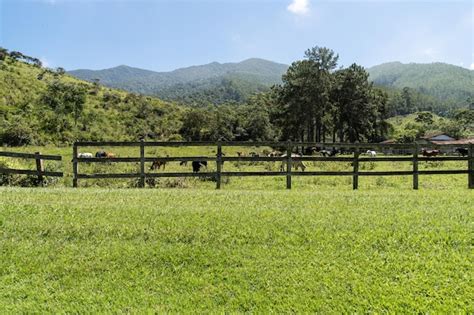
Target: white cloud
column 472, row 66
column 299, row 7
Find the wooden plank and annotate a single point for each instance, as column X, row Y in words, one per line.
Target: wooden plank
column 289, row 149
column 39, row 168
column 180, row 144
column 31, row 156
column 385, row 159
column 74, row 166
column 355, row 177
column 260, row 159
column 379, row 146
column 263, row 143
column 146, row 159
column 110, row 160
column 323, row 173
column 219, row 165
column 442, row 172
column 158, row 175
column 29, row 172
column 248, row 174
column 442, row 158
column 253, row 159
column 96, row 176
column 388, row 173
column 141, row 184
column 180, row 159
column 323, row 159
column 415, row 166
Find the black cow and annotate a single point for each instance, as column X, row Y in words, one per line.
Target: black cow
column 197, row 165
column 101, row 154
column 331, row 153
column 311, row 150
column 462, row 151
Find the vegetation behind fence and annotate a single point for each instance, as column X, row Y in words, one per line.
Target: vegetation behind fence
column 39, row 159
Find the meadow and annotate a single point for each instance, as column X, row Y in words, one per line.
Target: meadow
column 329, row 250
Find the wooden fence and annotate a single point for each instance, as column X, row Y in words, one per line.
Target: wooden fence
column 289, row 147
column 39, row 158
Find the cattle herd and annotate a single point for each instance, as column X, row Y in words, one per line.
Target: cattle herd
column 198, row 165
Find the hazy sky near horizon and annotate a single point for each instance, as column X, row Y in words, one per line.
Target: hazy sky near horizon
column 163, row 35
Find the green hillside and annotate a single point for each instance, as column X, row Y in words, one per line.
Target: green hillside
column 448, row 83
column 213, row 83
column 39, row 105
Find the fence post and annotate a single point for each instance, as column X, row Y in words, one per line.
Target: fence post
column 141, row 184
column 39, row 168
column 218, row 165
column 415, row 166
column 74, row 165
column 355, row 176
column 289, row 148
column 470, row 165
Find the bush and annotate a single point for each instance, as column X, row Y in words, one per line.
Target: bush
column 17, row 134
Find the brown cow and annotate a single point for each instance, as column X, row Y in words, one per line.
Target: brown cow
column 156, row 165
column 430, row 153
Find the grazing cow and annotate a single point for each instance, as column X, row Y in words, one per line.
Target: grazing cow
column 331, row 153
column 110, row 155
column 197, row 165
column 156, row 165
column 101, row 154
column 310, row 150
column 430, row 153
column 274, row 154
column 85, row 155
column 462, row 151
column 295, row 163
column 371, row 153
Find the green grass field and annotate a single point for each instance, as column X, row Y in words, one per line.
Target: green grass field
column 201, row 250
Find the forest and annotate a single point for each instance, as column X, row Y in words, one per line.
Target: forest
column 317, row 100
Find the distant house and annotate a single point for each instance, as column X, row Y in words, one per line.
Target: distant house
column 441, row 139
column 434, row 137
column 438, row 139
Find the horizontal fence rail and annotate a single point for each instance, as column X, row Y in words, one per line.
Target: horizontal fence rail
column 288, row 162
column 39, row 159
column 262, row 144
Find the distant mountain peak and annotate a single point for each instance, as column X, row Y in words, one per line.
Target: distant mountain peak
column 238, row 78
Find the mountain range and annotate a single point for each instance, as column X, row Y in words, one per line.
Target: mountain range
column 218, row 83
column 212, row 83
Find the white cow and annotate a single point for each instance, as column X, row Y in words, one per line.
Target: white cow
column 371, row 153
column 85, row 155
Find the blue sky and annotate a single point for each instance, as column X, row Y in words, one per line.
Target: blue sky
column 163, row 35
